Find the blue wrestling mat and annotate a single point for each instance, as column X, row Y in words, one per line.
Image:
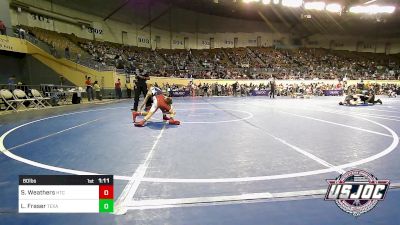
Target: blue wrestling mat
column 231, row 161
column 362, row 105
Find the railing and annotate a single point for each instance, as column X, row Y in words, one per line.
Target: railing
column 58, row 53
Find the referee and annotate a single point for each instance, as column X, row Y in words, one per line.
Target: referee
column 141, row 88
column 272, row 85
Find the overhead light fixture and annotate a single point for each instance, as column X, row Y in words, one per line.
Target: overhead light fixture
column 372, row 9
column 250, row 1
column 314, row 5
column 292, row 3
column 276, row 2
column 369, row 2
column 358, row 9
column 334, row 7
column 266, row 2
column 388, row 9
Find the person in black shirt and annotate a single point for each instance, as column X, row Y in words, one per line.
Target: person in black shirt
column 141, row 88
column 2, row 28
column 369, row 97
column 272, row 85
column 234, row 88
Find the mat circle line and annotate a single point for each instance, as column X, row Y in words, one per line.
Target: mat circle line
column 202, row 180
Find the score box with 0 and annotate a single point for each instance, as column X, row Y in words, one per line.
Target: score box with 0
column 106, row 198
column 66, row 194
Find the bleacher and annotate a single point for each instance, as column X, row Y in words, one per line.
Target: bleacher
column 249, row 63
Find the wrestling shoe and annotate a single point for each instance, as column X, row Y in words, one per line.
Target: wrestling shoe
column 379, row 101
column 174, row 122
column 140, row 123
column 165, row 117
column 134, row 115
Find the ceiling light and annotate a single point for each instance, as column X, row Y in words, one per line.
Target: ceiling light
column 334, row 7
column 292, row 3
column 266, row 2
column 314, row 5
column 250, row 1
column 372, row 9
column 387, row 9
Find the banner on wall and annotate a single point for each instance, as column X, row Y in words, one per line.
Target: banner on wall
column 38, row 20
column 179, row 93
column 260, row 92
column 229, row 42
column 177, row 42
column 143, row 40
column 12, row 44
column 252, row 42
column 206, row 43
column 333, row 92
column 97, row 30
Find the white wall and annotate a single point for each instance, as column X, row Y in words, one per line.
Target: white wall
column 351, row 43
column 207, row 26
column 112, row 30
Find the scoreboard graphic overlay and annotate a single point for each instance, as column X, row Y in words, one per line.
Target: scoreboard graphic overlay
column 66, row 194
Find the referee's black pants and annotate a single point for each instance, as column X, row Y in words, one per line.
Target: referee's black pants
column 139, row 90
column 272, row 93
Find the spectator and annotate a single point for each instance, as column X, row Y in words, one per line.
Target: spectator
column 2, row 28
column 62, row 80
column 96, row 87
column 272, row 88
column 53, row 50
column 141, row 87
column 21, row 32
column 234, row 88
column 11, row 83
column 118, row 91
column 67, row 55
column 128, row 86
column 89, row 89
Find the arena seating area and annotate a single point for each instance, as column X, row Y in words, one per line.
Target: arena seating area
column 282, row 89
column 228, row 63
column 57, row 41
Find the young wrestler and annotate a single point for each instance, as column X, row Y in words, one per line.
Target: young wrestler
column 159, row 102
column 350, row 100
column 367, row 98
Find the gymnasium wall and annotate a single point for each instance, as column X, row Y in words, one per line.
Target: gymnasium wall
column 5, row 12
column 172, row 28
column 15, row 66
column 25, row 69
column 359, row 44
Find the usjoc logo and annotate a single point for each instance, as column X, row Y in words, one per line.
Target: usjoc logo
column 356, row 191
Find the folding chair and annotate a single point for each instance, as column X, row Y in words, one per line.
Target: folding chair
column 21, row 95
column 41, row 101
column 9, row 100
